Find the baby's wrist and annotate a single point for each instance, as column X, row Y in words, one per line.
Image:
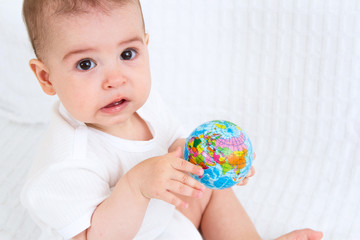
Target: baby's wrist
column 134, row 186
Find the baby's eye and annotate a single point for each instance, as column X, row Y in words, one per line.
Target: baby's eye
column 128, row 54
column 85, row 64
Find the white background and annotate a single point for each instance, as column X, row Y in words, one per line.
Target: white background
column 286, row 71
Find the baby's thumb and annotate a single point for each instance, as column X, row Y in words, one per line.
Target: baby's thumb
column 177, row 152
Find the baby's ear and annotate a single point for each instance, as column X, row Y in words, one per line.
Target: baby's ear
column 42, row 74
column 147, row 39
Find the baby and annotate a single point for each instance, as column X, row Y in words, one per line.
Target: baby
column 110, row 163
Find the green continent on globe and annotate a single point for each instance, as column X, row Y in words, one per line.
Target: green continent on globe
column 223, row 150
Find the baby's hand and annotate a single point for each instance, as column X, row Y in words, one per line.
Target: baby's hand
column 250, row 174
column 161, row 177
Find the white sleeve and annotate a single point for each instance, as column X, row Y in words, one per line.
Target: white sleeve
column 65, row 195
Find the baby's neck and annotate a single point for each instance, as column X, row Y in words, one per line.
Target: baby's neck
column 134, row 129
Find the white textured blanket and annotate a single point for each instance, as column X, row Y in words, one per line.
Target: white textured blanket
column 286, row 71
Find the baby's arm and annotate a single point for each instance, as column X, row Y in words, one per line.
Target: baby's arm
column 120, row 214
column 162, row 177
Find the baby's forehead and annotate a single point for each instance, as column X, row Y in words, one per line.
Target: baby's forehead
column 41, row 22
column 58, row 12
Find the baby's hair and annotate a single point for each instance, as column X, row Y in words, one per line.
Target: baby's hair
column 36, row 15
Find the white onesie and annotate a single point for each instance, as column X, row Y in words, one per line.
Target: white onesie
column 77, row 167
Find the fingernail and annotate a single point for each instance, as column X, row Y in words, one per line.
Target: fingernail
column 201, row 172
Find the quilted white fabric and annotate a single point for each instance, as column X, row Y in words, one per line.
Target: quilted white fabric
column 286, row 71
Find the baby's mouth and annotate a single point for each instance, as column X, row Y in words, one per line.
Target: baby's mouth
column 114, row 104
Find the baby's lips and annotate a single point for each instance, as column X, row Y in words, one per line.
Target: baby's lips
column 115, row 103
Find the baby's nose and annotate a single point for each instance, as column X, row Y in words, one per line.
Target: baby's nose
column 114, row 79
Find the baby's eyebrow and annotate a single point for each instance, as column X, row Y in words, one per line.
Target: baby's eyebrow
column 78, row 51
column 134, row 39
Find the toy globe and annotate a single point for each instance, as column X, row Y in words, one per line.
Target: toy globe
column 223, row 150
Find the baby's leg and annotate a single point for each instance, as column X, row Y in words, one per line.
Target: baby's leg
column 219, row 215
column 196, row 207
column 225, row 218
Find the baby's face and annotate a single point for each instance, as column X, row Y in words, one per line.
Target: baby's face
column 98, row 65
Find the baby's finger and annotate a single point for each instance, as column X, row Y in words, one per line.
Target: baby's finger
column 185, row 178
column 174, row 200
column 243, row 182
column 185, row 166
column 183, row 189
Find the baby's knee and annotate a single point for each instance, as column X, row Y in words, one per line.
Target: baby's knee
column 204, row 201
column 196, row 207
